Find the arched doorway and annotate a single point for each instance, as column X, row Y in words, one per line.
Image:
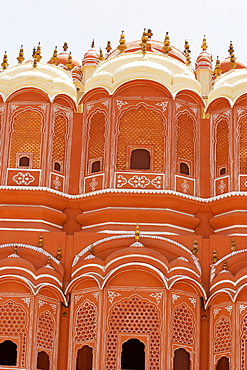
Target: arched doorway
column 181, row 360
column 84, row 359
column 43, row 362
column 223, row 364
column 8, row 353
column 133, row 355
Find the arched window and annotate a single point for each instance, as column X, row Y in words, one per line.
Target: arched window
column 8, row 353
column 133, row 355
column 57, row 166
column 140, row 159
column 24, row 161
column 184, row 168
column 222, row 171
column 43, row 362
column 223, row 364
column 95, row 166
column 181, row 360
column 84, row 359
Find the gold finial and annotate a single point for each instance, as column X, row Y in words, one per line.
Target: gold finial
column 54, row 57
column 40, row 243
column 204, row 44
column 35, row 63
column 195, row 248
column 21, row 58
column 143, row 43
column 108, row 47
column 65, row 47
column 92, row 45
column 59, row 254
column 48, row 261
column 34, row 52
column 38, row 53
column 233, row 245
column 166, row 48
column 230, row 50
column 217, row 69
column 137, row 233
column 224, row 266
column 149, row 34
column 187, row 52
column 5, row 61
column 122, row 43
column 15, row 250
column 214, row 258
column 69, row 65
column 101, row 56
column 91, row 249
column 232, row 57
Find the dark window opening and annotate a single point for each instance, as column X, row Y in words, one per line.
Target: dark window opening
column 133, row 355
column 181, row 360
column 140, row 159
column 57, row 166
column 43, row 362
column 8, row 353
column 84, row 359
column 95, row 166
column 223, row 364
column 184, row 168
column 222, row 171
column 24, row 161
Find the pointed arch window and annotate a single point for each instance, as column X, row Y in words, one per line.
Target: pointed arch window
column 140, row 159
column 223, row 364
column 84, row 359
column 133, row 355
column 8, row 353
column 181, row 360
column 43, row 362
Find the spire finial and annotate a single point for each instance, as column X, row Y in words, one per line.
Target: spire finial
column 224, row 266
column 5, row 61
column 34, row 52
column 144, row 40
column 204, row 44
column 48, row 261
column 101, row 56
column 217, row 69
column 232, row 57
column 108, row 46
column 15, row 250
column 38, row 53
column 40, row 243
column 233, row 245
column 187, row 52
column 92, row 45
column 195, row 248
column 54, row 57
column 137, row 233
column 65, row 46
column 166, row 48
column 69, row 64
column 59, row 254
column 149, row 34
column 122, row 43
column 21, row 58
column 214, row 257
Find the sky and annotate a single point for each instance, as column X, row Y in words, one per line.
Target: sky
column 51, row 22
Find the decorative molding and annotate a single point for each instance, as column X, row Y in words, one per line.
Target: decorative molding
column 229, row 309
column 57, row 182
column 43, row 107
column 242, row 307
column 93, row 184
column 193, row 301
column 78, row 297
column 89, row 107
column 41, row 303
column 96, row 295
column 157, row 296
column 54, row 307
column 185, row 186
column 163, row 105
column 105, row 103
column 139, row 181
column 23, row 178
column 120, row 103
column 175, row 297
column 194, row 110
column 26, row 300
column 178, row 105
column 112, row 295
column 216, row 311
column 13, row 107
column 183, row 259
column 221, row 186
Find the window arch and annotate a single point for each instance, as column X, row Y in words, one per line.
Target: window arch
column 140, row 159
column 24, row 161
column 223, row 364
column 95, row 166
column 43, row 362
column 222, row 147
column 57, row 166
column 181, row 360
column 133, row 355
column 59, row 141
column 184, row 168
column 8, row 353
column 84, row 360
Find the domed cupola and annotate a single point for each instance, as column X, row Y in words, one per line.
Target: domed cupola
column 231, row 62
column 91, row 57
column 64, row 58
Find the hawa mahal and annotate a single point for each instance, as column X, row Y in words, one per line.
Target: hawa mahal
column 123, row 214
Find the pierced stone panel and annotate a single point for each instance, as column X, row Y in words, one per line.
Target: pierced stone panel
column 141, row 126
column 96, row 144
column 134, row 315
column 243, row 342
column 46, row 330
column 222, row 144
column 85, row 322
column 185, row 139
column 243, row 145
column 183, row 325
column 59, row 139
column 26, row 137
column 222, row 336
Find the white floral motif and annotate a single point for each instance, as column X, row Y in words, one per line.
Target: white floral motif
column 112, row 295
column 242, row 307
column 194, row 110
column 216, row 311
column 221, row 186
column 23, row 178
column 89, row 107
column 185, row 186
column 2, row 109
column 41, row 303
column 229, row 309
column 139, row 181
column 120, row 103
column 54, row 307
column 93, row 184
column 240, row 111
column 14, row 107
column 156, row 182
column 193, row 301
column 175, row 297
column 121, row 181
column 105, row 103
column 57, row 183
column 157, row 296
column 43, row 107
column 178, row 105
column 78, row 297
column 68, row 115
column 26, row 300
column 163, row 104
column 96, row 295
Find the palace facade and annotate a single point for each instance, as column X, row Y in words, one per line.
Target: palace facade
column 123, row 203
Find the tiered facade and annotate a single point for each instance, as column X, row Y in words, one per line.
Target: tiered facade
column 123, row 210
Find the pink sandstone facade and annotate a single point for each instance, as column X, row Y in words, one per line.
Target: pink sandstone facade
column 123, row 227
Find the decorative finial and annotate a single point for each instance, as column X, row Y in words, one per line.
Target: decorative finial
column 91, row 249
column 21, row 58
column 143, row 43
column 54, row 57
column 230, row 50
column 214, row 258
column 137, row 233
column 149, row 34
column 35, row 63
column 15, row 250
column 233, row 245
column 167, row 48
column 5, row 61
column 59, row 254
column 224, row 266
column 48, row 261
column 101, row 56
column 38, row 53
column 187, row 52
column 204, row 44
column 92, row 45
column 40, row 243
column 195, row 248
column 65, row 47
column 69, row 64
column 122, row 43
column 108, row 47
column 232, row 57
column 217, row 69
column 34, row 52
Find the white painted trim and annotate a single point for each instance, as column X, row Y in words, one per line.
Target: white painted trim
column 29, row 220
column 230, row 227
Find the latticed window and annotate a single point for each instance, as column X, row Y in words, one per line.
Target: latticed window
column 243, row 145
column 222, row 335
column 59, row 142
column 183, row 325
column 185, row 141
column 222, row 147
column 96, row 142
